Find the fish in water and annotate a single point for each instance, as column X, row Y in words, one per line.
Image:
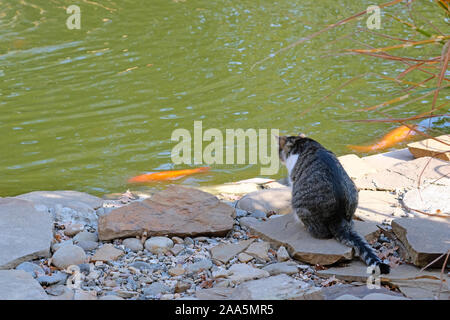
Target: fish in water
column 391, row 138
column 166, row 175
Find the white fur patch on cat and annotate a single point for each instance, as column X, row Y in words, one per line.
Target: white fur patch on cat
column 290, row 164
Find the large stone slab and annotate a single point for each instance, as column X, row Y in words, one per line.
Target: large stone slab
column 411, row 281
column 386, row 160
column 279, row 287
column 276, row 200
column 67, row 207
column 431, row 148
column 288, row 231
column 425, row 238
column 378, row 206
column 20, row 285
column 433, row 199
column 226, row 251
column 406, row 174
column 176, row 211
column 355, row 166
column 25, row 233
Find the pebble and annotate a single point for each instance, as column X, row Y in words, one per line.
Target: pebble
column 55, row 246
column 133, row 244
column 55, row 278
column 201, row 265
column 73, row 229
column 68, row 255
column 282, row 254
column 106, row 253
column 86, row 236
column 87, row 245
column 177, row 271
column 243, row 257
column 182, row 286
column 155, row 289
column 158, row 245
column 177, row 249
column 32, row 268
column 177, row 240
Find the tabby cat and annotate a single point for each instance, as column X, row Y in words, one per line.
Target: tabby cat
column 323, row 195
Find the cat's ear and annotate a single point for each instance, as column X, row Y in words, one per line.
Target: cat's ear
column 282, row 141
column 302, row 135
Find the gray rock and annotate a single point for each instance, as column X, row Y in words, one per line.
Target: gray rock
column 73, row 229
column 68, row 255
column 259, row 250
column 133, row 244
column 107, row 253
column 241, row 272
column 141, row 265
column 425, row 238
column 214, row 294
column 281, row 267
column 20, row 285
column 156, row 288
column 55, row 278
column 86, row 236
column 87, row 245
column 158, row 244
column 25, row 233
column 289, row 232
column 199, row 266
column 277, row 200
column 280, row 287
column 57, row 245
column 258, row 214
column 282, row 254
column 177, row 249
column 224, row 252
column 67, row 206
column 31, row 268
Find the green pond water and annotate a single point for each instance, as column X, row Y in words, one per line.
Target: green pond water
column 87, row 109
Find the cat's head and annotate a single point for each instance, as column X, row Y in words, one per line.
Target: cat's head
column 286, row 144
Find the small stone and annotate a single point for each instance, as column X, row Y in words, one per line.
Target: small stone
column 158, row 245
column 281, row 267
column 86, row 236
column 107, row 253
column 259, row 250
column 241, row 272
column 177, row 240
column 68, row 255
column 73, row 229
column 282, row 254
column 133, row 244
column 188, row 241
column 243, row 257
column 258, row 214
column 55, row 278
column 57, row 245
column 182, row 286
column 110, row 283
column 177, row 271
column 155, row 288
column 220, row 273
column 31, row 268
column 177, row 249
column 226, row 251
column 87, row 245
column 199, row 266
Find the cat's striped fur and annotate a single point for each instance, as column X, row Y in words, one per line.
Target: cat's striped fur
column 323, row 195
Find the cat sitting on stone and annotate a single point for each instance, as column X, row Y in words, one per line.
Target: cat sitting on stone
column 323, row 195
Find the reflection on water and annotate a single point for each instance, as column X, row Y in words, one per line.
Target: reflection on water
column 87, row 109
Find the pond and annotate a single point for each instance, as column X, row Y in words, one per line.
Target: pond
column 85, row 109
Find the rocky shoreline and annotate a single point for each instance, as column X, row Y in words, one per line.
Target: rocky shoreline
column 233, row 241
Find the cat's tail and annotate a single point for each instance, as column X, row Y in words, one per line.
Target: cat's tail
column 345, row 234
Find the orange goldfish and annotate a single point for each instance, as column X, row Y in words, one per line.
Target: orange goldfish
column 391, row 138
column 166, row 175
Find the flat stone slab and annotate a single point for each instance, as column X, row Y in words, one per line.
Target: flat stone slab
column 279, row 287
column 406, row 174
column 217, row 293
column 20, row 285
column 378, row 206
column 431, row 148
column 355, row 166
column 433, row 199
column 226, row 251
column 25, row 233
column 420, row 284
column 290, row 232
column 425, row 238
column 382, row 161
column 276, row 200
column 67, row 207
column 176, row 211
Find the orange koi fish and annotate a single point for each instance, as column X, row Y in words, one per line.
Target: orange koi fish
column 391, row 138
column 166, row 175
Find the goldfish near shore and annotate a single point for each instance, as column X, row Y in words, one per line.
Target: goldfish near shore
column 391, row 138
column 166, row 175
